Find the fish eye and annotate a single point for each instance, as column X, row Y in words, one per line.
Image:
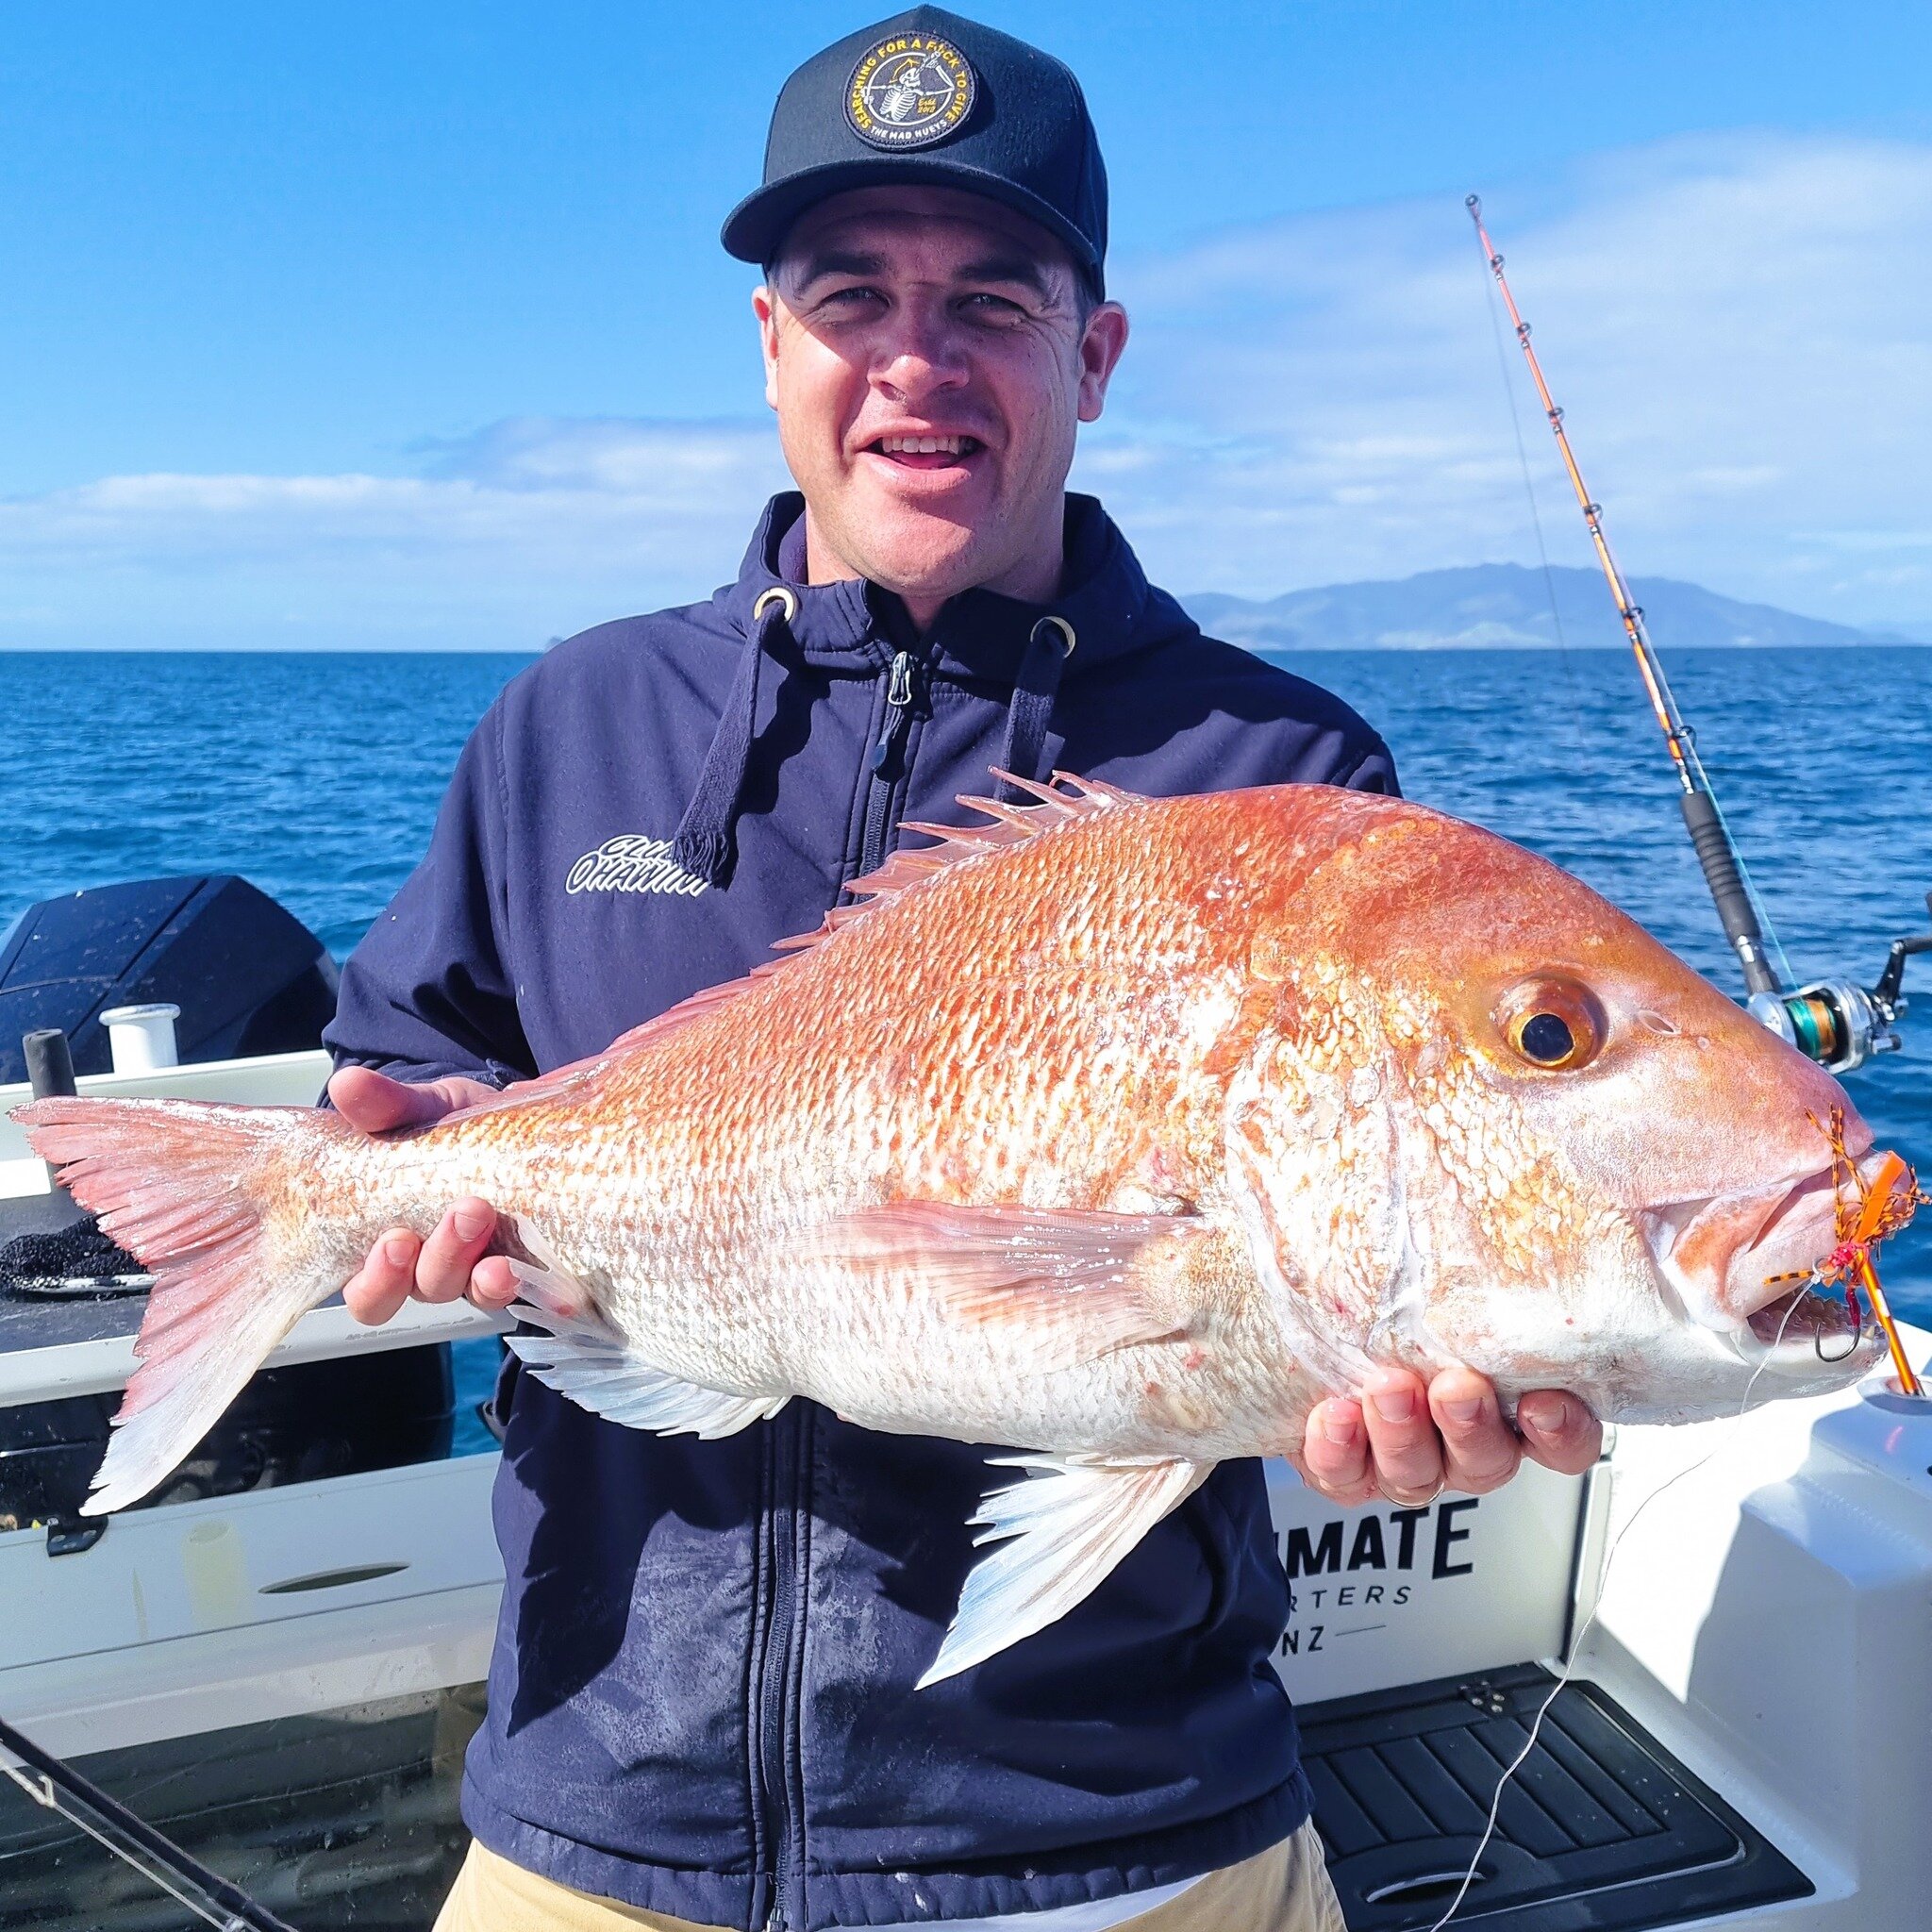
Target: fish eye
column 1546, row 1039
column 1553, row 1024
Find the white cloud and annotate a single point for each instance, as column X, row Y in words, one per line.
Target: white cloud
column 1740, row 331
column 525, row 530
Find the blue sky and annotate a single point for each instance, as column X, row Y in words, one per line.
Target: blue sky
column 357, row 325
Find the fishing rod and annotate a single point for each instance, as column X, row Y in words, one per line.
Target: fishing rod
column 1838, row 1022
column 53, row 1783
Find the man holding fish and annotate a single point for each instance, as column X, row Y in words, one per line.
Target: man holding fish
column 1124, row 1126
column 703, row 1703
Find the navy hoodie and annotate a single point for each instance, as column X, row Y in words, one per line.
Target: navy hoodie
column 701, row 1697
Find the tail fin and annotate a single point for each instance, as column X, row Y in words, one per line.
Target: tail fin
column 183, row 1184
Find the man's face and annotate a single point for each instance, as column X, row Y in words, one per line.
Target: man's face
column 929, row 355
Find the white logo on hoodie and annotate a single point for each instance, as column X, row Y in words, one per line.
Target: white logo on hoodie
column 632, row 862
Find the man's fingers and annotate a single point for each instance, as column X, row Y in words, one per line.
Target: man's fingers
column 1405, row 1452
column 1335, row 1452
column 1480, row 1449
column 494, row 1284
column 375, row 1103
column 1558, row 1431
column 386, row 1279
column 442, row 1271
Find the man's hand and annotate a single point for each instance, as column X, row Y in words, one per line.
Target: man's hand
column 1408, row 1441
column 451, row 1262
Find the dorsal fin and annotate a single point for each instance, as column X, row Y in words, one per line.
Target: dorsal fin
column 1009, row 824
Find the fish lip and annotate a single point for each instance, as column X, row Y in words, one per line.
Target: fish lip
column 1668, row 1223
column 1748, row 1229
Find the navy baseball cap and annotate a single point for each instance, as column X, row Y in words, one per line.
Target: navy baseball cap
column 929, row 98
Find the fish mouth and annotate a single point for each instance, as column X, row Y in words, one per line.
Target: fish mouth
column 1805, row 1327
column 1733, row 1258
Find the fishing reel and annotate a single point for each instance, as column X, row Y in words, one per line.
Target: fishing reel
column 1837, row 1023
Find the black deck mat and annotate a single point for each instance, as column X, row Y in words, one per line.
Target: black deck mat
column 344, row 1822
column 1601, row 1830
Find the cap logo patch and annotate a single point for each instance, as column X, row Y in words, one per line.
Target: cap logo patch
column 910, row 91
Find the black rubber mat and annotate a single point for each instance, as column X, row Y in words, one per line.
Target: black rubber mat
column 343, row 1822
column 1601, row 1830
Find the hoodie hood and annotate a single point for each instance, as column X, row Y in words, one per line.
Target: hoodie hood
column 1107, row 612
column 981, row 636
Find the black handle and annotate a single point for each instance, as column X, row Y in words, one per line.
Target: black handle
column 49, row 1065
column 1733, row 903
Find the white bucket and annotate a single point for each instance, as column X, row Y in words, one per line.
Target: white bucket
column 142, row 1038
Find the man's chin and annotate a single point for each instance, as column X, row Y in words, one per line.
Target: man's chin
column 919, row 550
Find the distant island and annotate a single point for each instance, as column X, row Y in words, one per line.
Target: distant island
column 1505, row 606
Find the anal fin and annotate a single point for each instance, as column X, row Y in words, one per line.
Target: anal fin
column 586, row 1360
column 1061, row 1532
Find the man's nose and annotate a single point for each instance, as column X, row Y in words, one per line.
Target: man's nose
column 924, row 357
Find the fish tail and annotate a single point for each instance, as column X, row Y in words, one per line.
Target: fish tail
column 193, row 1189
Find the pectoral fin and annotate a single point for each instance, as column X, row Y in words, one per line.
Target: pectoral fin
column 540, row 1272
column 1061, row 1532
column 1067, row 1278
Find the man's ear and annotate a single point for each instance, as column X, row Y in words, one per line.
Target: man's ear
column 1101, row 344
column 764, row 305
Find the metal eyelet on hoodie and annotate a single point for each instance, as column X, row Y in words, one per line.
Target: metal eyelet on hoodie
column 1066, row 630
column 787, row 600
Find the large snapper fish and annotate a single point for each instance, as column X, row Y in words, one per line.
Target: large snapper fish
column 1120, row 1130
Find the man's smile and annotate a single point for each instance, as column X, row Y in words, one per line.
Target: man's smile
column 924, row 449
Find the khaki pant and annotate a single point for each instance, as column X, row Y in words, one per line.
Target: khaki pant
column 1285, row 1888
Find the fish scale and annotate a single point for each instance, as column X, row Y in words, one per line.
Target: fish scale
column 1120, row 1130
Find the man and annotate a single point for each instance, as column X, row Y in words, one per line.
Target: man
column 700, row 1703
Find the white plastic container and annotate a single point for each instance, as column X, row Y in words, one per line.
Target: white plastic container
column 142, row 1038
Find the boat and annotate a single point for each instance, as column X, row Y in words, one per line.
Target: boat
column 276, row 1662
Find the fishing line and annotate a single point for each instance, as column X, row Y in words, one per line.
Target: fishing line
column 1569, row 1670
column 1529, row 491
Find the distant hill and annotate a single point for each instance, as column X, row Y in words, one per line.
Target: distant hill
column 1502, row 606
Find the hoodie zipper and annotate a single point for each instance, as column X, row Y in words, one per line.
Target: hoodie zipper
column 775, row 1716
column 887, row 759
column 785, row 1539
column 787, row 1553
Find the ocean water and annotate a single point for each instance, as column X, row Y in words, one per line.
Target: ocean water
column 318, row 776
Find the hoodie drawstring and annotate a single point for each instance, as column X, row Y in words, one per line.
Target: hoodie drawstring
column 706, row 843
column 1034, row 691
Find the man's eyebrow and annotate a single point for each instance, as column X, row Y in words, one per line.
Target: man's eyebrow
column 1012, row 268
column 1023, row 268
column 820, row 262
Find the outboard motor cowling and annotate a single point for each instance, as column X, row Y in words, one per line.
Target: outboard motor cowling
column 249, row 976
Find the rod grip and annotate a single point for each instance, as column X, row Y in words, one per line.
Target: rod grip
column 1719, row 863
